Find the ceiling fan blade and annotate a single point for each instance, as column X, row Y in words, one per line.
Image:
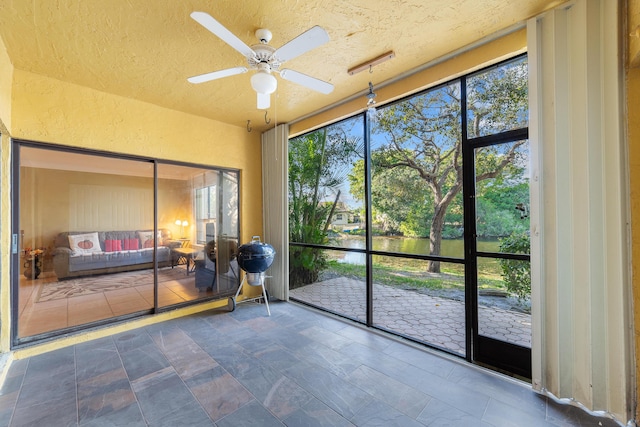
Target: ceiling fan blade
column 264, row 101
column 306, row 41
column 219, row 30
column 306, row 81
column 217, row 75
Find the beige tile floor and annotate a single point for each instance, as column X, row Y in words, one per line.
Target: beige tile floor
column 38, row 317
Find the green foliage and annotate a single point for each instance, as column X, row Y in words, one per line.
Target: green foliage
column 318, row 164
column 493, row 221
column 305, row 265
column 452, row 232
column 516, row 273
column 398, row 197
column 416, row 159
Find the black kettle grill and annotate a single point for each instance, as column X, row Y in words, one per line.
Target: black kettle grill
column 255, row 258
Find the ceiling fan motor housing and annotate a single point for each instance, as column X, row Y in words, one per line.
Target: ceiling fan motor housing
column 263, row 55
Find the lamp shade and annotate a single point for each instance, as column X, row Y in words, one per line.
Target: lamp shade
column 263, row 82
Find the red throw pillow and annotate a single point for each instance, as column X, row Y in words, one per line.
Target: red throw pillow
column 112, row 245
column 131, row 244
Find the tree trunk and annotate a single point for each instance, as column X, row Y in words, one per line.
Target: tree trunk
column 435, row 237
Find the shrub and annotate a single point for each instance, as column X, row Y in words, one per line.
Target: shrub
column 516, row 273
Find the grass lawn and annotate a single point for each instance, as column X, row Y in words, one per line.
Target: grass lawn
column 412, row 273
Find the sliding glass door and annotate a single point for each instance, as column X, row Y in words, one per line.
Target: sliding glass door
column 100, row 237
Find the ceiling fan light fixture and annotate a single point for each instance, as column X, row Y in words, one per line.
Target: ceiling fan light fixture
column 263, row 82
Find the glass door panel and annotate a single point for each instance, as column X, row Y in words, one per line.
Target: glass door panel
column 83, row 258
column 416, row 175
column 198, row 212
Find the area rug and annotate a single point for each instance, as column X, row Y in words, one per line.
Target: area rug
column 104, row 283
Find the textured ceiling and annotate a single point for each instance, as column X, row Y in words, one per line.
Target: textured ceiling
column 146, row 49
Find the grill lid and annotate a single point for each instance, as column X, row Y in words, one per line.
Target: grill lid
column 255, row 256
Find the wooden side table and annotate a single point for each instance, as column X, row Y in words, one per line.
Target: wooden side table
column 181, row 243
column 186, row 254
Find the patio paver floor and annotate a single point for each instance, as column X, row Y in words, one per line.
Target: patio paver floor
column 435, row 320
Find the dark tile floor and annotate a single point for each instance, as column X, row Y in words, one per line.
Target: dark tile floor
column 295, row 368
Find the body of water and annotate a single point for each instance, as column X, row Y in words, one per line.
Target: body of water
column 408, row 245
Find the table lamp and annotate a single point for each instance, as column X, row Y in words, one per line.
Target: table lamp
column 182, row 225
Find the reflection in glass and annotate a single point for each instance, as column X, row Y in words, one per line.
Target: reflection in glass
column 427, row 307
column 339, row 286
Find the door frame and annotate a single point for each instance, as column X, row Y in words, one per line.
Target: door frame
column 481, row 349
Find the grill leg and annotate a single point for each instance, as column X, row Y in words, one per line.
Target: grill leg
column 240, row 287
column 264, row 295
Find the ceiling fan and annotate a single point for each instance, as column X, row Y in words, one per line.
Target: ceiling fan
column 265, row 59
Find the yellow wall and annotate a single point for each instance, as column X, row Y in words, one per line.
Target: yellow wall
column 42, row 109
column 633, row 24
column 6, row 77
column 49, row 110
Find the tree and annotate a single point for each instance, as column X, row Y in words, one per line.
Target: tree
column 318, row 163
column 394, row 200
column 423, row 135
